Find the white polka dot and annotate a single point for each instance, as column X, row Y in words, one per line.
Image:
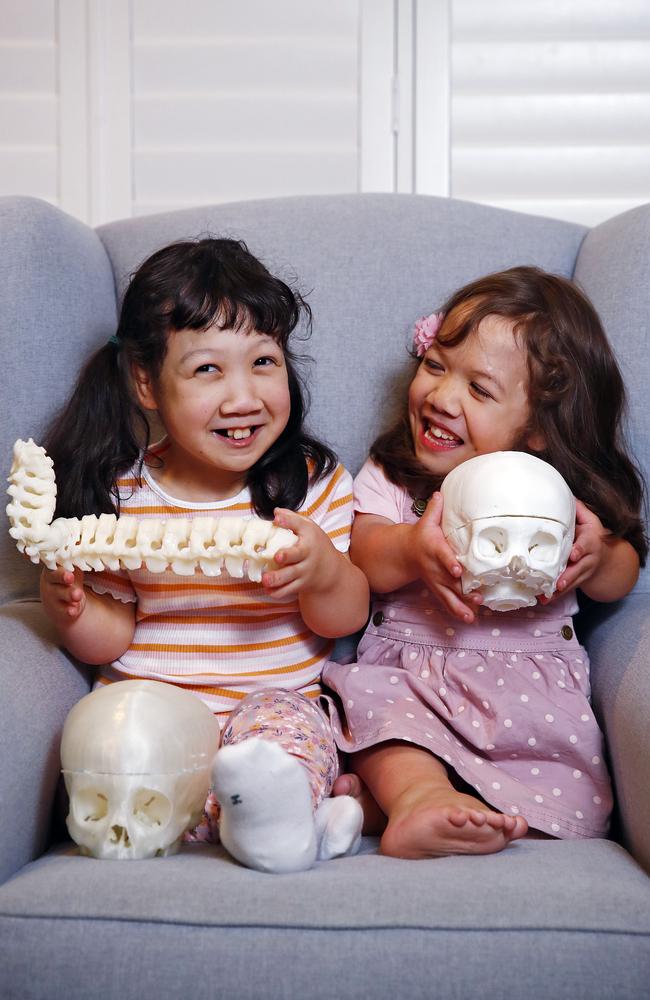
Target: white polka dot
column 461, row 654
column 597, row 799
column 409, row 715
column 584, row 718
column 429, row 736
column 450, row 631
column 354, row 670
column 563, row 671
column 447, row 737
column 350, row 703
column 595, row 759
column 539, row 798
column 579, row 814
column 447, row 758
column 369, row 691
column 480, row 669
column 390, row 701
column 513, row 658
column 465, row 688
column 425, row 673
column 524, row 697
column 579, row 660
column 549, row 717
column 532, row 741
column 485, row 704
column 539, row 656
column 442, row 692
column 490, row 652
column 513, row 756
column 577, row 773
column 478, row 760
column 369, row 714
column 507, row 723
column 577, row 676
column 461, row 708
column 489, row 746
column 537, row 632
column 500, row 682
column 573, row 739
column 514, row 809
column 555, row 828
column 561, row 684
column 438, row 652
column 536, row 675
column 534, row 770
column 476, row 724
column 391, row 613
column 413, row 656
column 408, row 698
column 429, row 715
column 496, row 631
column 393, row 679
column 555, row 756
column 557, row 659
column 496, row 785
column 557, row 791
column 408, row 631
column 387, row 656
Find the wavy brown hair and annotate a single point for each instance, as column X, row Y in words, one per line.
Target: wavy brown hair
column 575, row 390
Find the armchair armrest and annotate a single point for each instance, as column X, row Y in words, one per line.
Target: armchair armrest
column 39, row 684
column 618, row 640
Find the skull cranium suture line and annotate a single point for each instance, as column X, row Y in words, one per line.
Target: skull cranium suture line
column 136, row 759
column 510, row 518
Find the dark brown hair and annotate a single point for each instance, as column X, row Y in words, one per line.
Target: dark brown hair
column 575, row 390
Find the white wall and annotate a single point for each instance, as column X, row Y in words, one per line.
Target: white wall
column 111, row 108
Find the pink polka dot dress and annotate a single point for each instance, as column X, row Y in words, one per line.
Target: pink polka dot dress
column 503, row 702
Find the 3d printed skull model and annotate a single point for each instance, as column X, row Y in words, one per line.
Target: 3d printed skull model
column 136, row 759
column 108, row 542
column 510, row 518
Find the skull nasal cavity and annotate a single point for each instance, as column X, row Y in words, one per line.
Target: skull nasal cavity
column 120, row 832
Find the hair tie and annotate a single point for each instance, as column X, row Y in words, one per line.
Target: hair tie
column 114, row 340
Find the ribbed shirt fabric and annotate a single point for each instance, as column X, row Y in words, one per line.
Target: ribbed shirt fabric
column 220, row 637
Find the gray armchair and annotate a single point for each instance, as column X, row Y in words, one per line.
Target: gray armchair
column 560, row 919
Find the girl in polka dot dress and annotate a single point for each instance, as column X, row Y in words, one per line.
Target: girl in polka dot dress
column 466, row 727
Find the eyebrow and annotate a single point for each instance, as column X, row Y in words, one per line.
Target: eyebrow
column 477, row 373
column 266, row 340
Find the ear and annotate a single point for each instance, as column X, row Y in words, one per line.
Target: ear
column 536, row 441
column 143, row 384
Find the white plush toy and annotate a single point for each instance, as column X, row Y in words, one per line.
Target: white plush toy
column 242, row 545
column 510, row 518
column 136, row 758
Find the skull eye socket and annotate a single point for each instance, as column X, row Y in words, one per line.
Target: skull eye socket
column 90, row 806
column 151, row 808
column 543, row 547
column 492, row 541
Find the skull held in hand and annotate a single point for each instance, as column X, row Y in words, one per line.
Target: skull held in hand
column 136, row 759
column 510, row 518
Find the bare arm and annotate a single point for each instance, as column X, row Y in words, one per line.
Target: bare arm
column 332, row 593
column 604, row 566
column 394, row 555
column 94, row 628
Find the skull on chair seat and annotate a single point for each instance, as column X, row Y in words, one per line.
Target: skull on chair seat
column 136, row 759
column 510, row 518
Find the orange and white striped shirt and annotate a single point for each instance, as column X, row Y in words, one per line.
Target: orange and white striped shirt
column 220, row 637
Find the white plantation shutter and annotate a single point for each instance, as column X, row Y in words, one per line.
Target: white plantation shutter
column 550, row 105
column 243, row 100
column 28, row 99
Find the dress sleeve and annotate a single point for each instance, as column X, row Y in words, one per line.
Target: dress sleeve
column 374, row 494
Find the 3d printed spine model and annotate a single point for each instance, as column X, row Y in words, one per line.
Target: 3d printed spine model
column 242, row 545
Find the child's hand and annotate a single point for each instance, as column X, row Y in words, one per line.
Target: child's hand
column 588, row 550
column 308, row 565
column 63, row 595
column 438, row 565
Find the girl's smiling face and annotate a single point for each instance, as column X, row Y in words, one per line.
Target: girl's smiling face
column 470, row 399
column 223, row 399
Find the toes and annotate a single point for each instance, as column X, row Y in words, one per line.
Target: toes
column 347, row 784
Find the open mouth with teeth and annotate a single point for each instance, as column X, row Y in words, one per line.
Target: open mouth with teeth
column 436, row 438
column 239, row 434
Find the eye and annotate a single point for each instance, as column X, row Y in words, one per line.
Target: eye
column 90, row 806
column 207, row 367
column 543, row 547
column 433, row 366
column 479, row 391
column 265, row 362
column 492, row 541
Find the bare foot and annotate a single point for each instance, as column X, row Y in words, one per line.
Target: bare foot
column 439, row 821
column 374, row 820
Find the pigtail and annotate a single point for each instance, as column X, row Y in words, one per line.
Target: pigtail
column 98, row 435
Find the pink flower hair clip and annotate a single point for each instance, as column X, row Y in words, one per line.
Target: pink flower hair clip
column 426, row 330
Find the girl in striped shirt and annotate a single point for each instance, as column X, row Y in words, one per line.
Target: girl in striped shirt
column 202, row 342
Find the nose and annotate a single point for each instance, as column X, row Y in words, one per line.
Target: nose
column 444, row 396
column 240, row 396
